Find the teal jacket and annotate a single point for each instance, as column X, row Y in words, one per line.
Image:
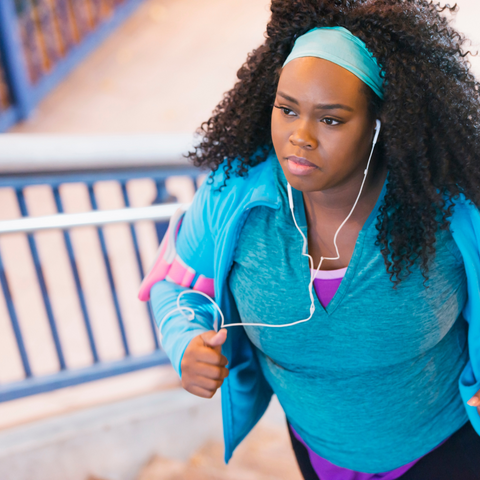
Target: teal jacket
column 197, row 253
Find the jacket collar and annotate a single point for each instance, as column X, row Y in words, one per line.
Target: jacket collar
column 262, row 185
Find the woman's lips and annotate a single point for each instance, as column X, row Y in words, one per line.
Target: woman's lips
column 299, row 165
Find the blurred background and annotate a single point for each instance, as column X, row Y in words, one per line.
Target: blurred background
column 99, row 99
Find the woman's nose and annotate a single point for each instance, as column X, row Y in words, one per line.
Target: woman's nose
column 302, row 137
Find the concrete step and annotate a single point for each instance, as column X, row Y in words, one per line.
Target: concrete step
column 110, row 442
column 265, row 454
column 167, row 435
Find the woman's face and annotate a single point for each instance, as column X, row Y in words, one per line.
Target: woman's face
column 322, row 130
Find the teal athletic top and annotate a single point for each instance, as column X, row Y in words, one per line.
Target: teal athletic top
column 370, row 383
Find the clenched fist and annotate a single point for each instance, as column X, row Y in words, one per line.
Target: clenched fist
column 203, row 365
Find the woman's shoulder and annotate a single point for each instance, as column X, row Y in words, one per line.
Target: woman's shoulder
column 465, row 222
column 224, row 195
column 225, row 188
column 226, row 179
column 463, row 207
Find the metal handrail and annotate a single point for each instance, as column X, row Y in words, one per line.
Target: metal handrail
column 96, row 218
column 30, row 153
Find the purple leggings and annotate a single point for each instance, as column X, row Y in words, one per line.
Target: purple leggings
column 457, row 459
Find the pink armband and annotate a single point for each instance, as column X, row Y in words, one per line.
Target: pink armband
column 169, row 266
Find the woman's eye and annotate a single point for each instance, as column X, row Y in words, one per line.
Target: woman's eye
column 286, row 111
column 330, row 121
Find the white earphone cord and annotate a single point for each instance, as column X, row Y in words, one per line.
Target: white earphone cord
column 191, row 316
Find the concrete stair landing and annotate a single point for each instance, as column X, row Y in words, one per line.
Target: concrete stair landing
column 264, row 455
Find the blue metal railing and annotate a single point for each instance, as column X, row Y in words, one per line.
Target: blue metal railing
column 98, row 368
column 42, row 40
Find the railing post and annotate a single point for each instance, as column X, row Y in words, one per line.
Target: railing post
column 162, row 197
column 14, row 320
column 42, row 284
column 14, row 58
column 153, row 325
column 76, row 277
column 108, row 266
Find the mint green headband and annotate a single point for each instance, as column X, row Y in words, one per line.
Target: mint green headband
column 338, row 45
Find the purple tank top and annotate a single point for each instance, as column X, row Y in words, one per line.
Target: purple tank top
column 326, row 284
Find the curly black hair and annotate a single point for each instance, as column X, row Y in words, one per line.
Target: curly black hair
column 430, row 113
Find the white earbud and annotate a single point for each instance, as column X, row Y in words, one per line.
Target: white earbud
column 290, row 197
column 378, row 126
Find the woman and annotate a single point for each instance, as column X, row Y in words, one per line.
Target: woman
column 352, row 134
